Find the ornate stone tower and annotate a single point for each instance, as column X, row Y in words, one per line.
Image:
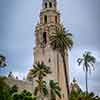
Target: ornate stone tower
column 49, row 22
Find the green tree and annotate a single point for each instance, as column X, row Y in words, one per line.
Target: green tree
column 74, row 95
column 13, row 89
column 89, row 96
column 2, row 61
column 88, row 61
column 24, row 95
column 4, row 90
column 39, row 71
column 54, row 90
column 82, row 96
column 41, row 90
column 61, row 41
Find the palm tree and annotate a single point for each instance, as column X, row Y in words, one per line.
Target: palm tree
column 41, row 89
column 39, row 71
column 54, row 90
column 61, row 41
column 88, row 62
column 2, row 61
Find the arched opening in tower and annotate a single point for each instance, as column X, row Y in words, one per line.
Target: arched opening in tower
column 45, row 5
column 50, row 4
column 45, row 38
column 45, row 19
column 56, row 19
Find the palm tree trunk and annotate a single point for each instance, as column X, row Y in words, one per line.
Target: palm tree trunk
column 86, row 78
column 41, row 93
column 66, row 72
column 41, row 96
column 32, row 87
column 53, row 97
column 58, row 67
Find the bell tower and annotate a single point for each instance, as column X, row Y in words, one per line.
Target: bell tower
column 49, row 17
column 49, row 22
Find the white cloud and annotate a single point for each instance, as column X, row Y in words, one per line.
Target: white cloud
column 19, row 75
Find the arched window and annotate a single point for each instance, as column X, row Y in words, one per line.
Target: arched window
column 50, row 4
column 45, row 19
column 56, row 19
column 44, row 37
column 42, row 62
column 49, row 60
column 45, row 5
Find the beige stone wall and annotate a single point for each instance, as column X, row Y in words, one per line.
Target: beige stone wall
column 58, row 75
column 21, row 84
column 44, row 55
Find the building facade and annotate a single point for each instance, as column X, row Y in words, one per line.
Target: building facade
column 50, row 22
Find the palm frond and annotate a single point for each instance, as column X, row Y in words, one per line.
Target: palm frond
column 92, row 65
column 45, row 91
column 55, row 89
column 84, row 68
column 39, row 70
column 60, row 39
column 2, row 61
column 79, row 60
column 58, row 94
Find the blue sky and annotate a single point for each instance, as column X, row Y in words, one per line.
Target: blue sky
column 17, row 22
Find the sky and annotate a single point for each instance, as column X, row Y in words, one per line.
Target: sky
column 18, row 19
